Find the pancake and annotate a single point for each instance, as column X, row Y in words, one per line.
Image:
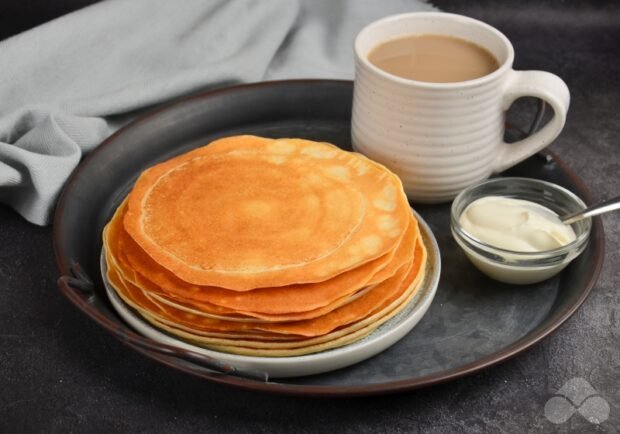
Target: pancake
column 218, row 312
column 241, row 213
column 340, row 337
column 333, row 342
column 137, row 267
column 360, row 308
column 155, row 309
column 313, row 327
column 266, row 247
column 205, row 309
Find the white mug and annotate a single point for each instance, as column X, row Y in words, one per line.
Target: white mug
column 442, row 137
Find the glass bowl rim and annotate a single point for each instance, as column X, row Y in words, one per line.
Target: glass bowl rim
column 576, row 244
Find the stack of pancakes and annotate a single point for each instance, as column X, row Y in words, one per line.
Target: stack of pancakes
column 266, row 247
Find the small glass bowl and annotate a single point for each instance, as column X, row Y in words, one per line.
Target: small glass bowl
column 520, row 267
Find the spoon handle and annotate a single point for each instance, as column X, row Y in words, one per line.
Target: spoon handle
column 600, row 208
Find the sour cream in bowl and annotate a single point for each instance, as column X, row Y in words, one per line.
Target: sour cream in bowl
column 510, row 230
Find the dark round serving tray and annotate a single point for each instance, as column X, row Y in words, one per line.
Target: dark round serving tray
column 472, row 324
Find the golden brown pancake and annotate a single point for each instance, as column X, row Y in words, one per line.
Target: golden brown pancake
column 141, row 270
column 339, row 337
column 382, row 294
column 142, row 302
column 206, row 309
column 135, row 297
column 217, row 312
column 332, row 342
column 266, row 247
column 240, row 216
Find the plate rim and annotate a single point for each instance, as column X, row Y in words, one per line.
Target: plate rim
column 418, row 306
column 597, row 243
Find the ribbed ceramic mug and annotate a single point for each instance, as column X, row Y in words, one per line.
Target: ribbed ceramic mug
column 442, row 137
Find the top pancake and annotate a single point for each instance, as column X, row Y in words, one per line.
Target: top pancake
column 247, row 212
column 141, row 270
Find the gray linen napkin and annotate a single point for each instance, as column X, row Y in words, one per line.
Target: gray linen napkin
column 68, row 84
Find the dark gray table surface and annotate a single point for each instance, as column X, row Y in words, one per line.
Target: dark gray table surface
column 59, row 372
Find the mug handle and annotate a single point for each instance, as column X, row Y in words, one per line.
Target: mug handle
column 540, row 84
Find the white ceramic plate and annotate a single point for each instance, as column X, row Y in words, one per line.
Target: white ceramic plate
column 382, row 338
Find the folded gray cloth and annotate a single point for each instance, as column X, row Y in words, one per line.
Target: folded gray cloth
column 68, row 84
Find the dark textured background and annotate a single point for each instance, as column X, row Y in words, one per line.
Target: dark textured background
column 60, row 373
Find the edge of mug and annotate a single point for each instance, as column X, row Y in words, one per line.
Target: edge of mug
column 507, row 64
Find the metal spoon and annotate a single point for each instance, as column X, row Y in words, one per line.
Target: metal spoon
column 600, row 208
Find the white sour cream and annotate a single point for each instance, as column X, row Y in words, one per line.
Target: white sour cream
column 515, row 224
